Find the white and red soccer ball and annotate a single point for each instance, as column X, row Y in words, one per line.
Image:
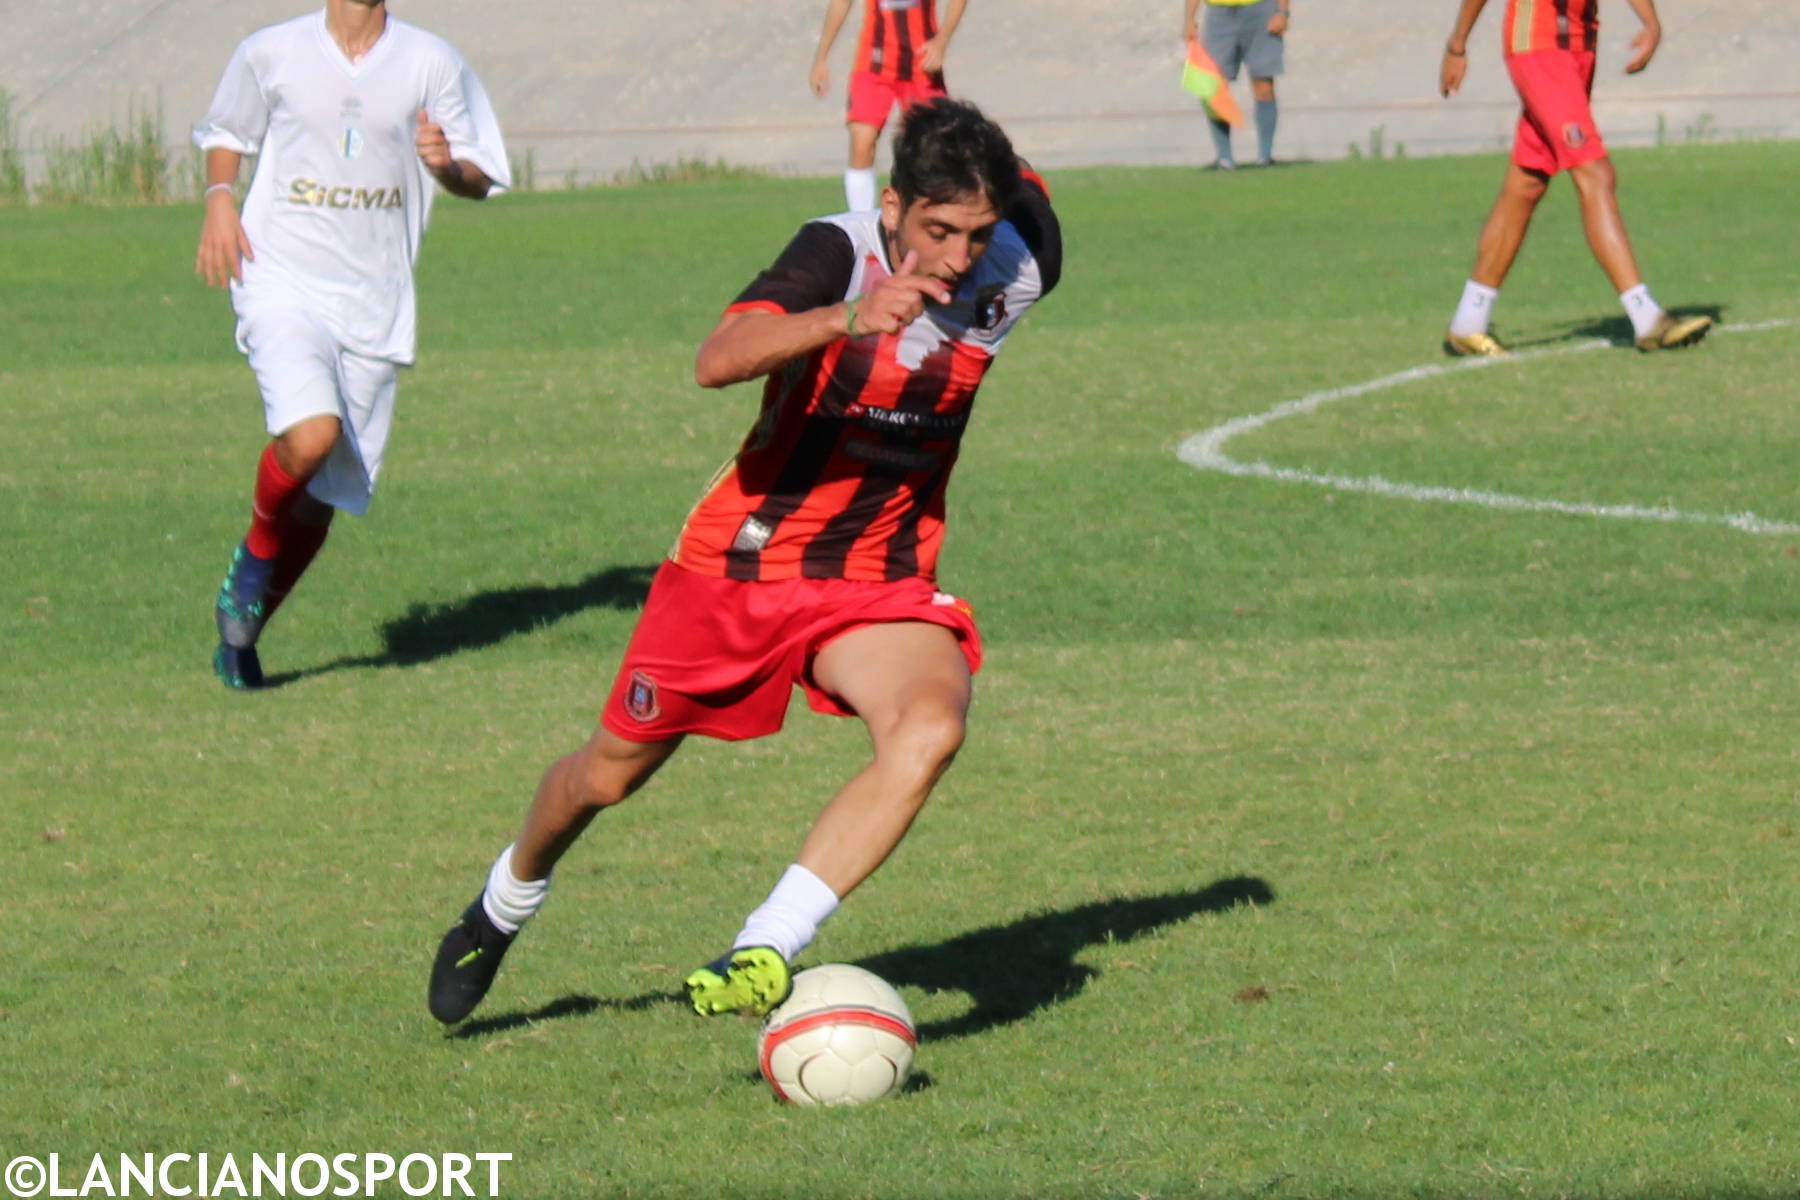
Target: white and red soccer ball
column 843, row 1036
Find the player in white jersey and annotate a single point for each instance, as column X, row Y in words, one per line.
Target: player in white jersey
column 355, row 118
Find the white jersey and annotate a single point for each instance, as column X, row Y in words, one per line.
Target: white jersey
column 339, row 203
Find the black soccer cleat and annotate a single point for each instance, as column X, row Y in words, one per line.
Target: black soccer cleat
column 467, row 960
column 240, row 670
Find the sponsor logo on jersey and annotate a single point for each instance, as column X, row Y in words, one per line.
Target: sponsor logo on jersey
column 325, row 195
column 640, row 698
column 1574, row 136
column 351, row 144
column 752, row 535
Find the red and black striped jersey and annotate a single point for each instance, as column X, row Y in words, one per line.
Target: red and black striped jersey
column 1551, row 25
column 843, row 475
column 892, row 32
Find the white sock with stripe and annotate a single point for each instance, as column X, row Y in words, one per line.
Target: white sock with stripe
column 790, row 918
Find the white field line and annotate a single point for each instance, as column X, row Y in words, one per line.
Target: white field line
column 1206, row 451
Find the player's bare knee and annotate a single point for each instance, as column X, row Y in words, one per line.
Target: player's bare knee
column 1528, row 186
column 596, row 782
column 1595, row 178
column 608, row 770
column 925, row 737
column 302, row 450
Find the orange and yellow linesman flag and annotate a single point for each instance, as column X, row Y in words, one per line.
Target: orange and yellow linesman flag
column 1201, row 76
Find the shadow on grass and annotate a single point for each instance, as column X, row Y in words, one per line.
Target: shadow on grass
column 1615, row 329
column 566, row 1006
column 427, row 632
column 1011, row 971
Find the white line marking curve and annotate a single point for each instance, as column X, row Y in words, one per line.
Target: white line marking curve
column 1206, row 452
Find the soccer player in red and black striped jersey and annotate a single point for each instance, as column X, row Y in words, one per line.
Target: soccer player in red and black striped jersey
column 899, row 60
column 1549, row 48
column 810, row 560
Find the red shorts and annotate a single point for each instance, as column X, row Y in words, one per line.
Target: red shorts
column 872, row 98
column 1556, row 129
column 721, row 656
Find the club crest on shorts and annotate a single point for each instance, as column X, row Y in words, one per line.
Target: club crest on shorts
column 640, row 698
column 1574, row 136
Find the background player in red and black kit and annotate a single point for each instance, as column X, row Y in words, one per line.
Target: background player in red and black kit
column 811, row 558
column 899, row 60
column 1549, row 49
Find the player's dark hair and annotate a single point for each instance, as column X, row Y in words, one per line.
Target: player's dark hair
column 946, row 151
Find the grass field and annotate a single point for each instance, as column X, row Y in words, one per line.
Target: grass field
column 1307, row 842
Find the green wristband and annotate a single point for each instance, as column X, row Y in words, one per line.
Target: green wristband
column 850, row 316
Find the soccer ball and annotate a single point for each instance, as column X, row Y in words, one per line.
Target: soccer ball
column 843, row 1036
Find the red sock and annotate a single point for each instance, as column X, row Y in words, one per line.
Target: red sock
column 299, row 543
column 276, row 492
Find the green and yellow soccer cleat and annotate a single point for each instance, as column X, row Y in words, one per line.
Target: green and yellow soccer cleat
column 1672, row 332
column 1473, row 345
column 750, row 979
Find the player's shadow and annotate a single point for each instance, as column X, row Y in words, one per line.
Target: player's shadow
column 426, row 632
column 578, row 1005
column 1008, row 971
column 1615, row 329
column 1011, row 971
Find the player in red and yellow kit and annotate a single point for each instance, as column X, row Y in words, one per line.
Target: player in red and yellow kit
column 1549, row 47
column 899, row 60
column 811, row 559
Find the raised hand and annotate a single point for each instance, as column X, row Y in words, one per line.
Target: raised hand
column 896, row 301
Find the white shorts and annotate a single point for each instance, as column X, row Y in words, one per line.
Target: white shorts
column 302, row 371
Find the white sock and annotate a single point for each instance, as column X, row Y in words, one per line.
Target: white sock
column 1642, row 308
column 859, row 188
column 1475, row 309
column 789, row 919
column 511, row 902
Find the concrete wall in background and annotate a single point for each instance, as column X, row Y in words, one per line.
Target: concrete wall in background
column 588, row 87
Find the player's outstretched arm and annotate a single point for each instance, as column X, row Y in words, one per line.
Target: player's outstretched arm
column 749, row 343
column 1456, row 49
column 820, row 76
column 457, row 176
column 223, row 243
column 1643, row 46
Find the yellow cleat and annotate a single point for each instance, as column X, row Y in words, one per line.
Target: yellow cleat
column 1672, row 332
column 1474, row 345
column 750, row 979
